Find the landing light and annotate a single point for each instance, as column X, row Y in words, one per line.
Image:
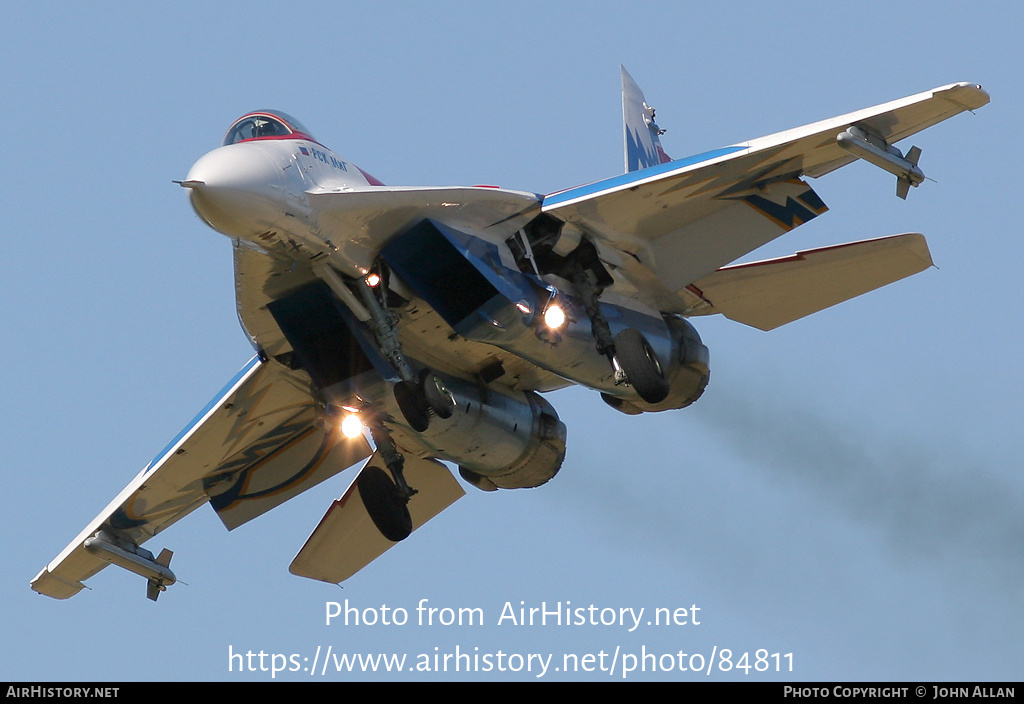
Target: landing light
column 554, row 316
column 351, row 426
column 372, row 280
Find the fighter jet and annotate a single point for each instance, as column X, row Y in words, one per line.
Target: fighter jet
column 400, row 331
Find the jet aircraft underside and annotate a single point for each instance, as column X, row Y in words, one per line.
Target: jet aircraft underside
column 400, row 331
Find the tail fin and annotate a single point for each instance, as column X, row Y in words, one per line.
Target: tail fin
column 641, row 133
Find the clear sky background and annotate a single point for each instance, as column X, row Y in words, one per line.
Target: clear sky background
column 849, row 489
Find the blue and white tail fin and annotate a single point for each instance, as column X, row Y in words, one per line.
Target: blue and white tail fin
column 640, row 132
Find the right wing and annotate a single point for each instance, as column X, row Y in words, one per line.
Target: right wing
column 256, row 445
column 259, row 443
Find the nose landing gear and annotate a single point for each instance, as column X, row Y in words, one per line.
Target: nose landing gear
column 420, row 399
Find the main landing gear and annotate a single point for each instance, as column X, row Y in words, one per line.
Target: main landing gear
column 386, row 498
column 383, row 500
column 631, row 356
column 641, row 366
column 419, row 396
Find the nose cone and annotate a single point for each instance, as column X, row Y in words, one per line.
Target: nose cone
column 236, row 189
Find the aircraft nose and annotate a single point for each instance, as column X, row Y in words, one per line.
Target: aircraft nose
column 234, row 189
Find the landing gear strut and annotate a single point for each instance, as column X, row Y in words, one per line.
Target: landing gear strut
column 418, row 395
column 631, row 356
column 387, row 498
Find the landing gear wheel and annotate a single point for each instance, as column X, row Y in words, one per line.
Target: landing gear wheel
column 413, row 407
column 438, row 398
column 388, row 509
column 643, row 370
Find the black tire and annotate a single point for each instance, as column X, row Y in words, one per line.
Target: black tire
column 438, row 399
column 413, row 407
column 643, row 370
column 388, row 509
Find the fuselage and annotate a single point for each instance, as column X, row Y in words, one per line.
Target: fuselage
column 271, row 183
column 256, row 187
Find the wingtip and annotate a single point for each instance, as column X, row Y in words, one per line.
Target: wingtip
column 971, row 95
column 49, row 584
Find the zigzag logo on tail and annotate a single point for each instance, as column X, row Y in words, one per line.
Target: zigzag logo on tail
column 637, row 154
column 640, row 155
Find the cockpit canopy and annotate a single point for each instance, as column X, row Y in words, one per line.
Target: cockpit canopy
column 266, row 124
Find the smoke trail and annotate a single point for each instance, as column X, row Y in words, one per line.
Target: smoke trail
column 933, row 503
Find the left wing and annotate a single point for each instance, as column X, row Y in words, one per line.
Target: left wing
column 670, row 224
column 256, row 445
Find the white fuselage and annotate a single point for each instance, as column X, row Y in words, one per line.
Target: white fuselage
column 259, row 191
column 295, row 197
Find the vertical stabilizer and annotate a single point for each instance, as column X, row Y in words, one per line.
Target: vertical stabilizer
column 641, row 133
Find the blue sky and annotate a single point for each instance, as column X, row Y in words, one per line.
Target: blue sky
column 848, row 490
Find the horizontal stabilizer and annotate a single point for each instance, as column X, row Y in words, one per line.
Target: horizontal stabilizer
column 347, row 540
column 774, row 292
